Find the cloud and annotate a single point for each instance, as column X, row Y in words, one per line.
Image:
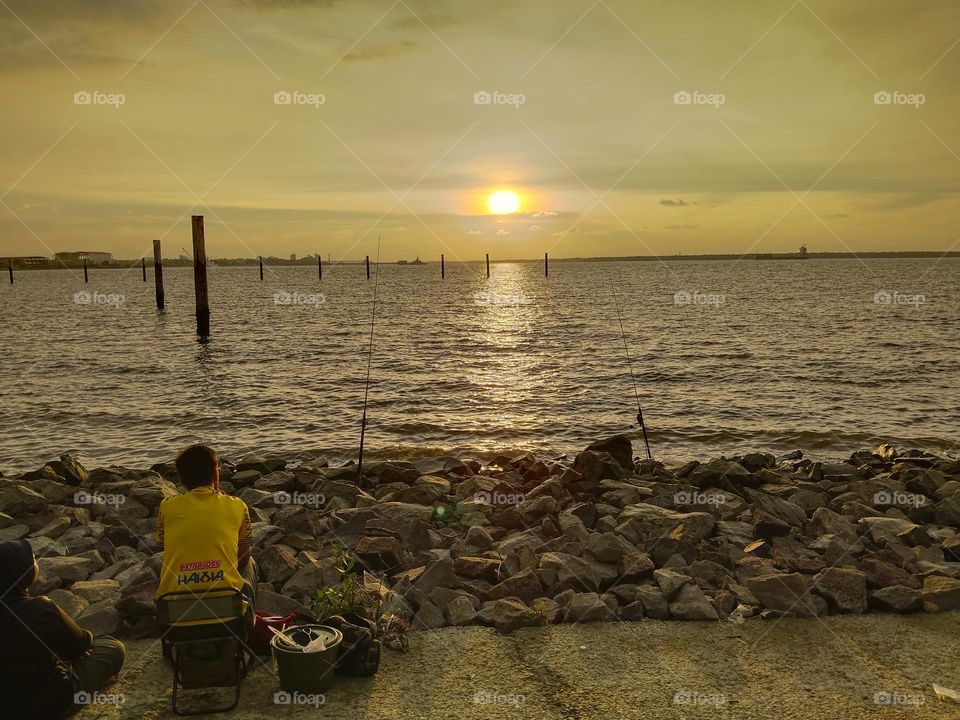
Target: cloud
column 501, row 231
column 534, row 228
column 474, row 232
column 545, row 213
column 680, row 227
column 677, row 203
column 379, row 52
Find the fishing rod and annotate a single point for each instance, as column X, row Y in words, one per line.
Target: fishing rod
column 366, row 388
column 636, row 394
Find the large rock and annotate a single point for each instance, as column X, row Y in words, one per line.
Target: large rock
column 587, row 607
column 941, row 593
column 778, row 507
column 609, row 547
column 635, row 566
column 477, row 568
column 524, row 585
column 670, row 581
column 691, row 604
column 19, row 500
column 509, row 614
column 844, row 589
column 277, row 564
column 440, row 573
column 460, row 611
column 619, row 447
column 95, row 590
column 66, row 569
column 783, row 592
column 898, row 599
column 312, row 575
column 379, row 553
column 100, row 618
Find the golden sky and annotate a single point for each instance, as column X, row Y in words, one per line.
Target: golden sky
column 625, row 127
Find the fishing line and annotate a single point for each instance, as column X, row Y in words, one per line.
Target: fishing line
column 366, row 389
column 633, row 378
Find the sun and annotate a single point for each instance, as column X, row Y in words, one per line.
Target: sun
column 503, row 202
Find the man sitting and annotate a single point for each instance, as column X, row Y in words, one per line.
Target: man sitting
column 205, row 535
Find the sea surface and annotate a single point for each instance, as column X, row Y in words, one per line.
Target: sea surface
column 728, row 356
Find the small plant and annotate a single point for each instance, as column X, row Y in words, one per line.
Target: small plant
column 349, row 596
column 540, row 612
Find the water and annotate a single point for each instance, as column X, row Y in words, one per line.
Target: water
column 794, row 354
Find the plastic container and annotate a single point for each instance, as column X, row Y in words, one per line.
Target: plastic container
column 308, row 673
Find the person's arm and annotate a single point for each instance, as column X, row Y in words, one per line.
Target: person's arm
column 244, row 539
column 58, row 631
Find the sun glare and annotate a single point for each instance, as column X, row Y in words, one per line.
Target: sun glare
column 503, row 202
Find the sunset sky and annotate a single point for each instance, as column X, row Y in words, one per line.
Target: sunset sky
column 783, row 142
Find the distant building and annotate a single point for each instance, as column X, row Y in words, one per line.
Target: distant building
column 93, row 258
column 293, row 257
column 25, row 261
column 803, row 251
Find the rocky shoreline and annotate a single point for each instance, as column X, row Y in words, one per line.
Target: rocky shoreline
column 520, row 541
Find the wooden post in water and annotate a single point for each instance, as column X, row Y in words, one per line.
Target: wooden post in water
column 443, row 270
column 368, row 267
column 158, row 273
column 200, row 277
column 319, row 267
column 488, row 266
column 143, row 267
column 86, row 277
column 10, row 268
column 260, row 259
column 546, row 264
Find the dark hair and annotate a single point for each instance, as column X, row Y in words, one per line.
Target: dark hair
column 196, row 466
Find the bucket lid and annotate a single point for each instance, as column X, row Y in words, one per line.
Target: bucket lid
column 331, row 636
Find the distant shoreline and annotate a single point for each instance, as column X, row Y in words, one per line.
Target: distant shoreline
column 311, row 261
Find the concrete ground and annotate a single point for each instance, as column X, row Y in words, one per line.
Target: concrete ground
column 852, row 667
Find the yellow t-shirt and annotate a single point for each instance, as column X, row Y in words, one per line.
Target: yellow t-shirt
column 199, row 532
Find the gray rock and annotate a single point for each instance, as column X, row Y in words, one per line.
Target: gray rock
column 587, row 607
column 940, row 594
column 609, row 547
column 619, row 447
column 67, row 569
column 440, row 573
column 428, row 617
column 670, row 581
column 100, row 618
column 524, row 585
column 71, row 603
column 897, row 598
column 783, row 592
column 691, row 604
column 311, row 575
column 18, row 500
column 460, row 611
column 844, row 589
column 95, row 590
column 507, row 615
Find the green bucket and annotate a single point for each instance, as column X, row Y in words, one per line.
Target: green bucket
column 307, row 673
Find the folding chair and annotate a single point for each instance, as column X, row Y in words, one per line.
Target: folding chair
column 206, row 655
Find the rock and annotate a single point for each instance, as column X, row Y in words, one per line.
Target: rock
column 632, row 611
column 477, row 568
column 508, row 615
column 844, row 589
column 524, row 585
column 609, row 547
column 66, row 568
column 778, row 507
column 437, row 574
column 670, row 581
column 18, row 500
column 479, row 537
column 14, row 532
column 70, row 469
column 940, row 593
column 273, row 602
column 947, row 512
column 782, row 592
column 587, row 607
column 827, row 522
column 311, row 575
column 95, row 590
column 138, row 600
column 619, row 447
column 277, row 564
column 718, row 472
column 71, row 603
column 592, row 467
column 882, row 573
column 460, row 611
column 884, row 529
column 261, row 464
column 100, row 618
column 767, row 527
column 428, row 617
column 897, row 598
column 572, row 572
column 379, row 553
column 693, row 527
column 690, row 603
column 245, row 478
column 655, row 605
column 635, row 566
